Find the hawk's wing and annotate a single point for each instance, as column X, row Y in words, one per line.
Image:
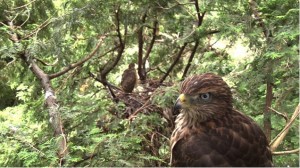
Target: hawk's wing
column 230, row 141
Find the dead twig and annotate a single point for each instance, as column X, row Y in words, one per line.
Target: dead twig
column 279, row 113
column 286, row 152
column 23, row 6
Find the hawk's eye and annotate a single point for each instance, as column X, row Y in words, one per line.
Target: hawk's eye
column 205, row 96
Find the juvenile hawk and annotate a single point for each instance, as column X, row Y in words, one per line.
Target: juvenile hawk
column 129, row 79
column 209, row 132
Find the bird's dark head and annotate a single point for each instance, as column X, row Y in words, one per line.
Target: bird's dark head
column 205, row 95
column 131, row 66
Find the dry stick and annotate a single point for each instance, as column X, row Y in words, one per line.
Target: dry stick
column 40, row 27
column 23, row 5
column 286, row 152
column 71, row 66
column 279, row 138
column 30, row 145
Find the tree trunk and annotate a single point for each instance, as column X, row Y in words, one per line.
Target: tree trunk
column 267, row 111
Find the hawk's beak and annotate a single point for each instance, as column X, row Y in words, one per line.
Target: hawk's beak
column 178, row 104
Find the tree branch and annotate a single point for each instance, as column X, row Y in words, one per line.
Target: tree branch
column 174, row 63
column 50, row 101
column 199, row 16
column 155, row 28
column 286, row 152
column 74, row 65
column 190, row 59
column 108, row 67
column 23, row 6
column 279, row 138
column 52, row 105
column 40, row 27
column 280, row 114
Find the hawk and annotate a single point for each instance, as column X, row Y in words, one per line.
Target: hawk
column 209, row 132
column 129, row 79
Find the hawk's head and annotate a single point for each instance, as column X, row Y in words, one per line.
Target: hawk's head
column 204, row 96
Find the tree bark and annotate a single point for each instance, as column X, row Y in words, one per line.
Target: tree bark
column 52, row 106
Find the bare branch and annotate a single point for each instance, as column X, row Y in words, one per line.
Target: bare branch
column 155, row 29
column 200, row 17
column 105, row 83
column 45, row 63
column 279, row 138
column 118, row 26
column 40, row 27
column 280, row 114
column 108, row 67
column 286, row 152
column 71, row 66
column 23, row 6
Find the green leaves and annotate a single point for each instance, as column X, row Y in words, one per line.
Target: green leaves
column 57, row 34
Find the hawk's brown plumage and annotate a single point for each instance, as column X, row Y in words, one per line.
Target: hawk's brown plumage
column 129, row 79
column 209, row 132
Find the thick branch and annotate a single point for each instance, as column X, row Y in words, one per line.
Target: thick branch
column 52, row 105
column 118, row 26
column 50, row 101
column 79, row 63
column 279, row 138
column 174, row 63
column 108, row 67
column 199, row 16
column 155, row 27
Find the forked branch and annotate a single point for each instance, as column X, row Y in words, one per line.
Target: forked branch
column 279, row 138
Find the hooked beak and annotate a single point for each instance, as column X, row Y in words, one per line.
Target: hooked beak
column 178, row 104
